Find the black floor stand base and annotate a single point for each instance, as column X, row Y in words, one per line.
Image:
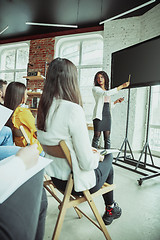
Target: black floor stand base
column 149, row 154
column 130, row 160
column 140, row 181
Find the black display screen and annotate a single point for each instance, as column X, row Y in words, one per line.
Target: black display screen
column 141, row 61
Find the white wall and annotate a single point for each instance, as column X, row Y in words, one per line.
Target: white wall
column 119, row 34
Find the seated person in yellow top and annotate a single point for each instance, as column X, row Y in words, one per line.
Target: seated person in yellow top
column 15, row 99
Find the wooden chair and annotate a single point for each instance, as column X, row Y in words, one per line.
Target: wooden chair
column 20, row 133
column 68, row 201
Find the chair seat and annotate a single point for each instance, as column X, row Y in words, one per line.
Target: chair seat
column 69, row 200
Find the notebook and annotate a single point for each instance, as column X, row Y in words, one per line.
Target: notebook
column 107, row 151
column 5, row 114
column 13, row 186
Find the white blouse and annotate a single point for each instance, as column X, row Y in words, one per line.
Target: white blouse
column 99, row 95
column 68, row 123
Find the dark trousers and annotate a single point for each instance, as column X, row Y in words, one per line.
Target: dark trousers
column 104, row 173
column 22, row 215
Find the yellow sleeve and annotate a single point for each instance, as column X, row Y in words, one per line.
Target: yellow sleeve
column 24, row 117
column 27, row 119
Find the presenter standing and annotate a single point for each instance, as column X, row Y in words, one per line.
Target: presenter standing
column 101, row 113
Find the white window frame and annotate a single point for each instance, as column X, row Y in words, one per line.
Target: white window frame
column 59, row 41
column 78, row 37
column 15, row 47
column 153, row 126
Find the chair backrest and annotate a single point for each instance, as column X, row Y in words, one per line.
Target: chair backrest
column 62, row 151
column 17, row 132
column 59, row 151
column 21, row 133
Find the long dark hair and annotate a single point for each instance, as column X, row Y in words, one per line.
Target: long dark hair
column 106, row 78
column 13, row 97
column 61, row 83
column 14, row 94
column 2, row 82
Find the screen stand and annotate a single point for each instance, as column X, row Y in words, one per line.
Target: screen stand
column 146, row 147
column 126, row 142
column 130, row 159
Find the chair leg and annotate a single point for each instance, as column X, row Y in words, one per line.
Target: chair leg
column 76, row 209
column 63, row 209
column 78, row 213
column 97, row 215
column 47, row 178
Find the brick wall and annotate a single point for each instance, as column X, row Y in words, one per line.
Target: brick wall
column 41, row 51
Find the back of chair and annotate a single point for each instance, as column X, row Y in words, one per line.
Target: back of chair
column 59, row 151
column 17, row 132
column 62, row 151
column 21, row 133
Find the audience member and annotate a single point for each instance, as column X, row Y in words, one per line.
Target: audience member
column 15, row 99
column 3, row 86
column 22, row 215
column 61, row 116
column 6, row 138
column 7, row 147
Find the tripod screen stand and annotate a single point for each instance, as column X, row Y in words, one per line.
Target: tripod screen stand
column 147, row 147
column 125, row 143
column 130, row 159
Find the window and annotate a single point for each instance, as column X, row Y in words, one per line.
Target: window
column 86, row 52
column 154, row 128
column 13, row 62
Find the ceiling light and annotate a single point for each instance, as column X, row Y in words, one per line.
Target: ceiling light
column 4, row 30
column 129, row 11
column 51, row 25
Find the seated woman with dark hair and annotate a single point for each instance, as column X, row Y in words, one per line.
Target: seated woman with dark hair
column 61, row 117
column 15, row 99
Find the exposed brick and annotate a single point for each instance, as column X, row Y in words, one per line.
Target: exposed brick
column 41, row 51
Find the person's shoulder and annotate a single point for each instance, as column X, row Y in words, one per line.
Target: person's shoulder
column 71, row 104
column 17, row 110
column 72, row 107
column 95, row 87
column 22, row 111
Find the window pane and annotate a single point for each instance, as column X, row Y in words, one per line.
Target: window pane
column 86, row 84
column 22, row 58
column 87, row 76
column 9, row 77
column 154, row 139
column 19, row 77
column 8, row 66
column 92, row 52
column 155, row 103
column 8, row 60
column 154, row 130
column 87, row 54
column 71, row 51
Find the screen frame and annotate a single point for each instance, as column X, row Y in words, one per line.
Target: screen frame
column 144, row 84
